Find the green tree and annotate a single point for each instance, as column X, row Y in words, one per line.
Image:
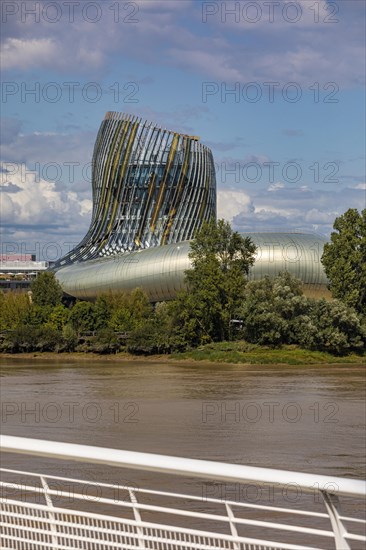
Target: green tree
column 58, row 317
column 38, row 315
column 156, row 334
column 82, row 317
column 188, row 325
column 22, row 339
column 344, row 259
column 273, row 310
column 46, row 290
column 129, row 310
column 338, row 328
column 69, row 339
column 28, row 338
column 14, row 309
column 47, row 338
column 221, row 259
column 103, row 311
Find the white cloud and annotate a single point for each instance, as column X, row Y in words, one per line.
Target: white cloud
column 320, row 217
column 276, row 186
column 48, row 147
column 39, row 203
column 8, row 209
column 51, row 53
column 281, row 208
column 322, row 51
column 25, row 54
column 232, row 203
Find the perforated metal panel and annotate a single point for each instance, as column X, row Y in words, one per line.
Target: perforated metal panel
column 160, row 271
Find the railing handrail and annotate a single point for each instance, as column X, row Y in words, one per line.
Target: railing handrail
column 204, row 469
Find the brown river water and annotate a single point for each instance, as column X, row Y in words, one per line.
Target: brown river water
column 306, row 419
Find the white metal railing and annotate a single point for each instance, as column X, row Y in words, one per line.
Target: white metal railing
column 140, row 518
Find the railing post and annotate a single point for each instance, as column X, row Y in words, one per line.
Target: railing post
column 339, row 530
column 137, row 516
column 51, row 514
column 233, row 529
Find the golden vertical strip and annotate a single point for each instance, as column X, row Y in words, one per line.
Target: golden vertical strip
column 163, row 183
column 124, row 166
column 178, row 194
column 108, row 190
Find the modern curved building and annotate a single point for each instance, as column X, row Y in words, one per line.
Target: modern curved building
column 152, row 189
column 150, row 186
column 160, row 271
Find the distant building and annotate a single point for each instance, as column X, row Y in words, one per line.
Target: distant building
column 17, row 257
column 18, row 270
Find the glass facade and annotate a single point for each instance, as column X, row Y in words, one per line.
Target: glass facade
column 151, row 187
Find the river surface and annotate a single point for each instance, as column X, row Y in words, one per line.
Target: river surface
column 307, row 419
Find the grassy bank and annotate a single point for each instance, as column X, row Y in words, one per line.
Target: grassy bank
column 240, row 352
column 223, row 352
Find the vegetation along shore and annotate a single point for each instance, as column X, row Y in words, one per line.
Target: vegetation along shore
column 221, row 316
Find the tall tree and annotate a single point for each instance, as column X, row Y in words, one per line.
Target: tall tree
column 46, row 290
column 344, row 259
column 221, row 259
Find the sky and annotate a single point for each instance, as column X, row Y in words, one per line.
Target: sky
column 275, row 88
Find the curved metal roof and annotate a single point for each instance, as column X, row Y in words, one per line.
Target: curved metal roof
column 160, row 270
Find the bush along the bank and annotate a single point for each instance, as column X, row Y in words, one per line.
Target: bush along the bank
column 275, row 312
column 272, row 313
column 218, row 305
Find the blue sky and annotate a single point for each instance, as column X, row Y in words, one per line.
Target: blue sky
column 276, row 89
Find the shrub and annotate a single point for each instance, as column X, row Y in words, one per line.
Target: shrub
column 82, row 317
column 59, row 317
column 271, row 308
column 105, row 341
column 129, row 310
column 338, row 328
column 69, row 339
column 47, row 338
column 29, row 338
column 14, row 309
column 156, row 334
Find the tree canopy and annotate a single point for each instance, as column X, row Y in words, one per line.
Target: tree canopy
column 344, row 259
column 221, row 259
column 46, row 290
column 275, row 312
column 268, row 312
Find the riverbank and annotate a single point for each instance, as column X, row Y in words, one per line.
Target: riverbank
column 240, row 352
column 223, row 352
